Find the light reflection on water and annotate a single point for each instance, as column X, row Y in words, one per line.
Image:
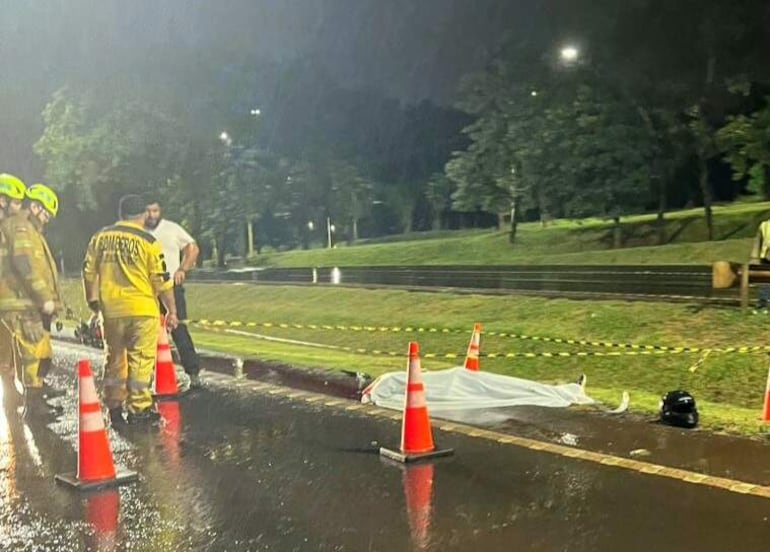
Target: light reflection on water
column 8, row 491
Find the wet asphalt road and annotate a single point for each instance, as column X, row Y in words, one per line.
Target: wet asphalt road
column 233, row 469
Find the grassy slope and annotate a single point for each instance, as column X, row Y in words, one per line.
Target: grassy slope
column 562, row 242
column 729, row 386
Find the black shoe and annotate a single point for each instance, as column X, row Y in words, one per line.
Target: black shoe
column 195, row 381
column 52, row 392
column 116, row 416
column 35, row 405
column 149, row 416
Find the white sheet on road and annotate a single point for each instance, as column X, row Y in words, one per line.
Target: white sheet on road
column 461, row 389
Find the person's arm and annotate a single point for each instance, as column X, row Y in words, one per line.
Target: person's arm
column 91, row 277
column 757, row 246
column 166, row 297
column 162, row 284
column 190, row 254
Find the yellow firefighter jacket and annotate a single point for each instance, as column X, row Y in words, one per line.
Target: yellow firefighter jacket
column 761, row 242
column 125, row 271
column 28, row 274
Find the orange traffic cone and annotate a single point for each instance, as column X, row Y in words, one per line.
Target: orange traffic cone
column 418, row 490
column 95, row 466
column 472, row 356
column 165, row 373
column 102, row 515
column 416, row 433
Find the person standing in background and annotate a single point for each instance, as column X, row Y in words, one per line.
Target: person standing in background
column 181, row 253
column 760, row 254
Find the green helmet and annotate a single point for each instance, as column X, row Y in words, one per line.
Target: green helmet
column 12, row 186
column 46, row 196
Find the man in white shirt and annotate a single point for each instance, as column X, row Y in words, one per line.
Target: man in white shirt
column 180, row 252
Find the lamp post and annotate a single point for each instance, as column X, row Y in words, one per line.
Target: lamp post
column 329, row 231
column 307, row 235
column 514, row 191
column 250, row 234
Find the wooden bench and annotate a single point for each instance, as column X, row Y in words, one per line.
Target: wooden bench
column 725, row 275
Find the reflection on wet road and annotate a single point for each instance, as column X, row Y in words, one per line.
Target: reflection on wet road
column 231, row 469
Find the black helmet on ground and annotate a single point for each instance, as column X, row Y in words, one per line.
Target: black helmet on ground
column 678, row 408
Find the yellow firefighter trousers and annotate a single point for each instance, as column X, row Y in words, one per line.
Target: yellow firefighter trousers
column 131, row 349
column 30, row 342
column 44, row 356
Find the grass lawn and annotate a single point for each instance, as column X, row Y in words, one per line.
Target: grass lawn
column 728, row 386
column 561, row 242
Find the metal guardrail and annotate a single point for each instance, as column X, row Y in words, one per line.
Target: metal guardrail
column 632, row 282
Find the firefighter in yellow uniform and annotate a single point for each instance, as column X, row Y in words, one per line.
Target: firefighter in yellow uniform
column 30, row 289
column 760, row 254
column 124, row 274
column 12, row 193
column 46, row 350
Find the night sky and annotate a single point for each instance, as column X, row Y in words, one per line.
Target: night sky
column 400, row 48
column 407, row 49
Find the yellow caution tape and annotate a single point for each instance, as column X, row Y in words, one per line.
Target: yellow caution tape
column 654, row 349
column 699, row 362
column 547, row 354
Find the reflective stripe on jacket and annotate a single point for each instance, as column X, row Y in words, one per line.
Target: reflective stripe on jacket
column 28, row 274
column 761, row 242
column 124, row 270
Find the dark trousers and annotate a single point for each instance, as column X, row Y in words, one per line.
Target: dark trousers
column 764, row 291
column 181, row 335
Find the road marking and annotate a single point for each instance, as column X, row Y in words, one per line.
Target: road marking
column 600, row 458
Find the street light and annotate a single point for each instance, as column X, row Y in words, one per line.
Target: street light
column 225, row 138
column 533, row 93
column 256, row 112
column 569, row 54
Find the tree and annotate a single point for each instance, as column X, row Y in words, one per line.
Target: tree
column 568, row 144
column 482, row 172
column 231, row 199
column 612, row 151
column 95, row 153
column 745, row 142
column 439, row 195
column 352, row 195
